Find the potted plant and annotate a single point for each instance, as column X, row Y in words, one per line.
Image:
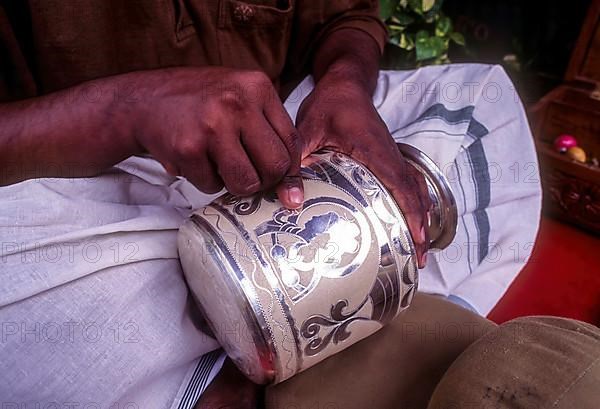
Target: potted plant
column 420, row 33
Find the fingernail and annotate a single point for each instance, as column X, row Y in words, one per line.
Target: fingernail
column 424, row 260
column 423, row 235
column 296, row 196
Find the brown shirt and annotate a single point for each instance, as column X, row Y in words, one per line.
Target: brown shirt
column 46, row 45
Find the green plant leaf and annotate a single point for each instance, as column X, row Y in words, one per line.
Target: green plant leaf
column 395, row 28
column 387, row 8
column 458, row 38
column 435, row 10
column 403, row 41
column 406, row 42
column 404, row 19
column 422, row 35
column 443, row 26
column 428, row 5
column 429, row 47
column 416, row 6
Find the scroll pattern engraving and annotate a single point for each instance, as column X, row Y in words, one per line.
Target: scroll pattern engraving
column 337, row 323
column 386, row 294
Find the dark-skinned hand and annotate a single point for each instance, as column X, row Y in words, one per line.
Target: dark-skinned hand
column 219, row 127
column 339, row 114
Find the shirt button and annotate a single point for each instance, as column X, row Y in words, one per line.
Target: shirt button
column 243, row 13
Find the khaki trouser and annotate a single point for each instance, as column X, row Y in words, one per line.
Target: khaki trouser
column 440, row 356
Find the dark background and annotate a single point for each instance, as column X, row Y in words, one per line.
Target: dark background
column 541, row 34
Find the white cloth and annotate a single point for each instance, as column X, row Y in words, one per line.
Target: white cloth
column 469, row 119
column 93, row 305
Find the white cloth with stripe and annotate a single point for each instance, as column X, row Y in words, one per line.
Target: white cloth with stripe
column 93, row 305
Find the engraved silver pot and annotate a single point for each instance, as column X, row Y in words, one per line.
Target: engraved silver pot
column 282, row 290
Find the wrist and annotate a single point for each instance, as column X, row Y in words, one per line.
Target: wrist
column 347, row 74
column 350, row 56
column 341, row 84
column 129, row 110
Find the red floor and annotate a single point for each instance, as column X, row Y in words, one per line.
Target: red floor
column 562, row 278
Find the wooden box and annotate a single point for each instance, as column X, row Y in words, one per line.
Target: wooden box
column 572, row 189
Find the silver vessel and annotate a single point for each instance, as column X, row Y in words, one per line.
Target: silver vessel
column 282, row 290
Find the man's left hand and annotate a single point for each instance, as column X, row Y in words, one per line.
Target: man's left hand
column 339, row 115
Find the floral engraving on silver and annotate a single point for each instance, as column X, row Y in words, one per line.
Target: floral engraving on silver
column 328, row 238
column 282, row 290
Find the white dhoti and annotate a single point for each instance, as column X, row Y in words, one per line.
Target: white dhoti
column 93, row 305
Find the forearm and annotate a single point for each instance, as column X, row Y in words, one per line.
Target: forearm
column 72, row 133
column 348, row 55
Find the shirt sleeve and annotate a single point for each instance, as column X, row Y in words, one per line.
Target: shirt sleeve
column 317, row 19
column 16, row 80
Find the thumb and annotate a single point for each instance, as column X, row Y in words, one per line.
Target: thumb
column 290, row 190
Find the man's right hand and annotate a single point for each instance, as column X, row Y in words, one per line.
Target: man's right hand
column 216, row 126
column 219, row 127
